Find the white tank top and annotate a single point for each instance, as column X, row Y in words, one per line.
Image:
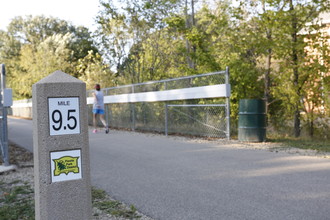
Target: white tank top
column 98, row 101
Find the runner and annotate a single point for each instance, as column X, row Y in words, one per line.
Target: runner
column 98, row 108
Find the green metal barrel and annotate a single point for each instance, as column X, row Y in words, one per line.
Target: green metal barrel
column 252, row 120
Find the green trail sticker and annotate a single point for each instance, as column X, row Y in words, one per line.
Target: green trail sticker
column 66, row 165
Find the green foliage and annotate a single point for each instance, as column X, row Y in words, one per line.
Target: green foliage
column 131, row 38
column 35, row 63
column 176, row 22
column 34, row 47
column 92, row 70
column 287, row 62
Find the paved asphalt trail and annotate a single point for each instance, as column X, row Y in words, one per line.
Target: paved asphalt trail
column 173, row 178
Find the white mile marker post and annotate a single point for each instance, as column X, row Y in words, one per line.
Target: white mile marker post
column 61, row 149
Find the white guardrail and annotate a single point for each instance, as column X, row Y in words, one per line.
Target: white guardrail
column 213, row 91
column 22, row 108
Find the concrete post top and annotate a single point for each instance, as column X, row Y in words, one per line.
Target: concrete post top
column 59, row 77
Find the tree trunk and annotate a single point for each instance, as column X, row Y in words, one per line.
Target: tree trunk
column 267, row 78
column 294, row 59
column 311, row 126
column 297, row 122
column 268, row 61
column 193, row 24
column 190, row 21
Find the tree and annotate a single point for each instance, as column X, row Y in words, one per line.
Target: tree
column 276, row 27
column 295, row 18
column 36, row 63
column 126, row 33
column 317, row 73
column 93, row 70
column 33, row 47
column 267, row 25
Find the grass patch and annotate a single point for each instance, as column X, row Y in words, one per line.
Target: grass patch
column 98, row 194
column 16, row 201
column 112, row 207
column 307, row 144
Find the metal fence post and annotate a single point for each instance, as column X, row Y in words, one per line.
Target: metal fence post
column 106, row 108
column 228, row 106
column 4, row 129
column 166, row 120
column 133, row 112
column 166, row 112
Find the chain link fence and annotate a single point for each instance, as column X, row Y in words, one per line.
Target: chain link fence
column 197, row 120
column 197, row 117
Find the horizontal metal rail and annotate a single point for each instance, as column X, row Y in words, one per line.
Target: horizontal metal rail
column 165, row 80
column 201, row 105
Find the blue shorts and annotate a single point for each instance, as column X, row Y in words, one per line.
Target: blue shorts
column 98, row 111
